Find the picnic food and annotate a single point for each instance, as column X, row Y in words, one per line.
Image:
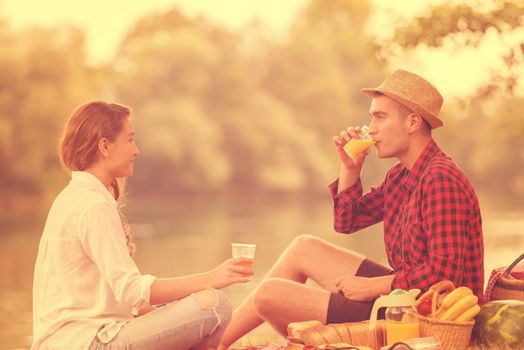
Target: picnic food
column 459, row 307
column 500, row 324
column 355, row 333
column 424, row 307
column 401, row 322
column 319, row 336
column 455, row 295
column 456, row 304
column 451, row 316
column 294, row 329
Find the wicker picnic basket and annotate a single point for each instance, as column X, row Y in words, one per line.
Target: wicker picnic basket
column 507, row 286
column 451, row 334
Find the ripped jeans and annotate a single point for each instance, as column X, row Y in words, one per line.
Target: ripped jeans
column 181, row 325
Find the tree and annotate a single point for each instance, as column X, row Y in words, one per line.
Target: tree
column 483, row 132
column 218, row 116
column 44, row 76
column 467, row 25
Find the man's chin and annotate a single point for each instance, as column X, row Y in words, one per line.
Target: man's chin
column 384, row 155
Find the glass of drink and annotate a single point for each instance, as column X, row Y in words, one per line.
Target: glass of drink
column 356, row 146
column 244, row 250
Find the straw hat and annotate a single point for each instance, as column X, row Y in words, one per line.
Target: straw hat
column 414, row 92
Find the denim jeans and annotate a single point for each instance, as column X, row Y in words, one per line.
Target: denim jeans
column 180, row 325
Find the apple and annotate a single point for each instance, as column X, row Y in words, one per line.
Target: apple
column 424, row 308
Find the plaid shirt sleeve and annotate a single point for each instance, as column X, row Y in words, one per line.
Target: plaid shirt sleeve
column 443, row 208
column 354, row 211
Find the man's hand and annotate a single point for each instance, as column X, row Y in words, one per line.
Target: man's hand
column 350, row 168
column 363, row 288
column 231, row 271
column 340, row 141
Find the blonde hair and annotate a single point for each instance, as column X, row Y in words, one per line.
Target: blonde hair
column 79, row 145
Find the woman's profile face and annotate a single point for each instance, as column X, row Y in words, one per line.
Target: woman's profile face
column 123, row 151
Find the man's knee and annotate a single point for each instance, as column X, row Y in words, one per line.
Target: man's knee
column 305, row 242
column 267, row 295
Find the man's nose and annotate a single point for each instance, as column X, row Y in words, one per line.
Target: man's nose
column 372, row 128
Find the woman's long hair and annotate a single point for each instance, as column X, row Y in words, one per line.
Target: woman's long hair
column 79, row 145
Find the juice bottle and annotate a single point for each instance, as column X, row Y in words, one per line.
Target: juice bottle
column 401, row 322
column 406, row 328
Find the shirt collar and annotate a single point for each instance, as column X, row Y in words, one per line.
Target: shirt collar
column 90, row 179
column 413, row 175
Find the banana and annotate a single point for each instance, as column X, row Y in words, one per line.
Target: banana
column 469, row 314
column 459, row 307
column 454, row 296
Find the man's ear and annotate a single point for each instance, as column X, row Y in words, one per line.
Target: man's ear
column 103, row 147
column 414, row 121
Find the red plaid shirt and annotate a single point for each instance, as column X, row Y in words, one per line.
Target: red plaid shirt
column 432, row 223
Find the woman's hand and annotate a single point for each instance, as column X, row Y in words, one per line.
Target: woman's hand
column 234, row 270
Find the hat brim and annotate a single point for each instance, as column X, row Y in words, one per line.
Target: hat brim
column 432, row 119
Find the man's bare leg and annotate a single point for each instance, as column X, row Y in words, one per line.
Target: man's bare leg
column 306, row 257
column 280, row 301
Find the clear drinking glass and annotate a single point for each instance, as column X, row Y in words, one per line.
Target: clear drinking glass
column 356, row 146
column 244, row 250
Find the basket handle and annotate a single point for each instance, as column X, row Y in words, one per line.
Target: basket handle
column 434, row 291
column 513, row 264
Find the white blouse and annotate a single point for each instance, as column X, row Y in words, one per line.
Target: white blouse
column 85, row 283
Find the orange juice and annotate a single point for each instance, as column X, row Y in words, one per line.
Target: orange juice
column 249, row 265
column 246, row 264
column 356, row 146
column 399, row 331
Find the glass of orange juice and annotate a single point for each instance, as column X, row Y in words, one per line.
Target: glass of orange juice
column 356, row 146
column 244, row 250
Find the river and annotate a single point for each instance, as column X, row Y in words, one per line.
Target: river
column 185, row 235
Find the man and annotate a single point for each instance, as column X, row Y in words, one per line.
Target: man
column 432, row 223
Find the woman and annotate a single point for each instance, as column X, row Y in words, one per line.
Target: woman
column 87, row 289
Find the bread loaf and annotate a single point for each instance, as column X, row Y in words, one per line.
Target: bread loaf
column 342, row 331
column 330, row 334
column 294, row 329
column 312, row 336
column 313, row 333
column 362, row 335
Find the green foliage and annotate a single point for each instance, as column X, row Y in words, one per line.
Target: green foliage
column 466, row 24
column 487, row 143
column 223, row 111
column 215, row 116
column 41, row 82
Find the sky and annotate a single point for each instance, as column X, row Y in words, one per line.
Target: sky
column 107, row 21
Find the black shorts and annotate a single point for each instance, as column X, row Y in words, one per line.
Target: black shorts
column 342, row 310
